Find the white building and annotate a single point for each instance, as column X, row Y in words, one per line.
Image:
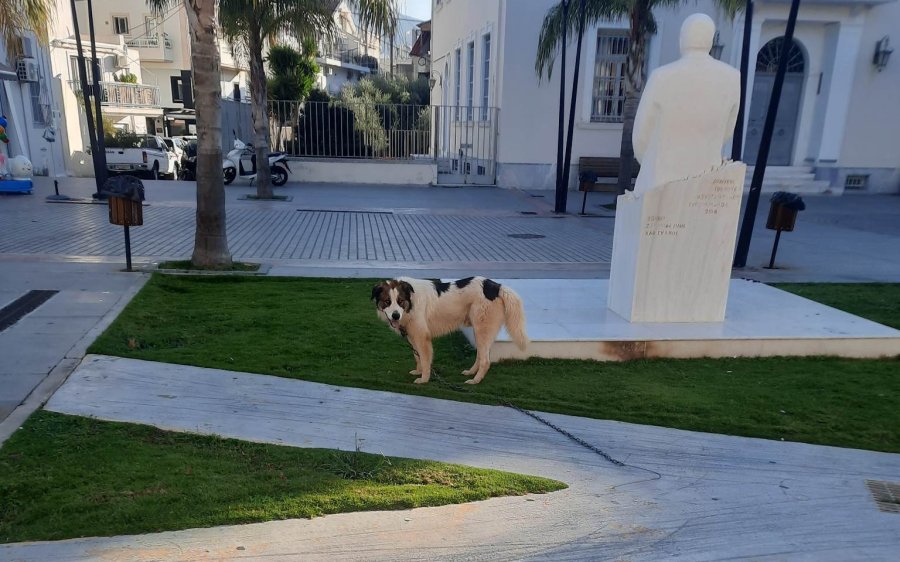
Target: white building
column 348, row 55
column 154, row 49
column 484, row 53
column 162, row 43
column 28, row 103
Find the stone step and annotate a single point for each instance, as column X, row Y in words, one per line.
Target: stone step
column 783, row 171
column 803, row 187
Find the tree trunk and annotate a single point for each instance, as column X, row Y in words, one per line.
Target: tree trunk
column 634, row 84
column 260, row 115
column 210, row 241
column 391, row 47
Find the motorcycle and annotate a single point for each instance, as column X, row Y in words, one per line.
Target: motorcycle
column 234, row 164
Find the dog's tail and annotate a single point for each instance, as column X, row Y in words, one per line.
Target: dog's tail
column 515, row 317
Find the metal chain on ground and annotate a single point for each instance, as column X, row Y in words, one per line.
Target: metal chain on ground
column 506, row 403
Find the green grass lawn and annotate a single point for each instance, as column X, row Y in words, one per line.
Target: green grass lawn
column 326, row 330
column 879, row 302
column 64, row 477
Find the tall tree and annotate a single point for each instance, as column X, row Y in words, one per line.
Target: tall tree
column 642, row 25
column 380, row 17
column 19, row 17
column 293, row 78
column 252, row 25
column 210, row 240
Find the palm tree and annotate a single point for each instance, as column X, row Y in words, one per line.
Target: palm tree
column 642, row 27
column 380, row 17
column 19, row 17
column 251, row 25
column 210, row 240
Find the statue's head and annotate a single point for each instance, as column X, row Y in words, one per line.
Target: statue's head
column 697, row 34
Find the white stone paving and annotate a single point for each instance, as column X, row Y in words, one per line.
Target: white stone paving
column 715, row 497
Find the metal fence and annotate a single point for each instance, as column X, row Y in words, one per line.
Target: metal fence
column 236, row 123
column 338, row 129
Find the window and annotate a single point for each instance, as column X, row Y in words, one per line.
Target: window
column 855, row 181
column 149, row 26
column 120, row 25
column 608, row 101
column 40, row 109
column 75, row 74
column 486, row 77
column 470, row 79
column 458, row 70
column 177, row 89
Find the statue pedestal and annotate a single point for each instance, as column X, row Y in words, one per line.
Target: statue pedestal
column 673, row 248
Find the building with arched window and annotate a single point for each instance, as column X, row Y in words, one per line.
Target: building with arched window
column 838, row 126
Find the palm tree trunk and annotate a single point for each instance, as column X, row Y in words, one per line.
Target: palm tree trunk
column 210, row 241
column 634, row 85
column 259, row 114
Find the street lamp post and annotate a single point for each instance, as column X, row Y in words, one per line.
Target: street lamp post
column 759, row 171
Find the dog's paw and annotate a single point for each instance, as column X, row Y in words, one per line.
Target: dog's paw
column 472, row 381
column 415, row 372
column 468, row 373
column 420, row 380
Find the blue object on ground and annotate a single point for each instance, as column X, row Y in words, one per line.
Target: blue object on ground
column 16, row 186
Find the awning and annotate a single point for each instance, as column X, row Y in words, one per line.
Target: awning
column 8, row 73
column 186, row 114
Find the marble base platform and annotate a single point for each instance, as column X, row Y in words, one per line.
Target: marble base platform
column 568, row 319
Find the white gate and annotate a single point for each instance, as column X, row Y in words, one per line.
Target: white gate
column 465, row 144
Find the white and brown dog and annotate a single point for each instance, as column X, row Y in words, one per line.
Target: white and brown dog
column 421, row 310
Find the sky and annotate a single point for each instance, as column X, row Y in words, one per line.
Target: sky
column 419, row 9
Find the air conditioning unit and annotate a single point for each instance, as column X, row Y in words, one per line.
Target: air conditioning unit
column 121, row 61
column 27, row 69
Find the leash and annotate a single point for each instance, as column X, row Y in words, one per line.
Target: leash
column 502, row 401
column 506, row 403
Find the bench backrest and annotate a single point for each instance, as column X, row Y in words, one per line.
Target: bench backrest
column 604, row 166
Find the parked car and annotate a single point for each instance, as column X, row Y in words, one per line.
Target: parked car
column 188, row 167
column 142, row 155
column 175, row 145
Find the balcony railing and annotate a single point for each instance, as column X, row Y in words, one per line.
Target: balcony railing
column 150, row 41
column 123, row 94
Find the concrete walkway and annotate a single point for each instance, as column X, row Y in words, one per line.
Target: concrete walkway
column 38, row 351
column 682, row 495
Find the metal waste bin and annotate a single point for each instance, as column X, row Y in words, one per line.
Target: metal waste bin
column 125, row 212
column 782, row 217
column 125, row 196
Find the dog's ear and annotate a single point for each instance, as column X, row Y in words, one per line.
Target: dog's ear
column 376, row 292
column 406, row 290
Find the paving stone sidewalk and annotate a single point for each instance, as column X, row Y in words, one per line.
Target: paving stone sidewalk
column 289, row 233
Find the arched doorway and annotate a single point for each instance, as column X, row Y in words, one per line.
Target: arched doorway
column 785, row 132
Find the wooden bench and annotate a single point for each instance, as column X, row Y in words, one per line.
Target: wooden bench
column 600, row 173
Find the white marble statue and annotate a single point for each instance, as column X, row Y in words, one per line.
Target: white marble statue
column 675, row 233
column 687, row 112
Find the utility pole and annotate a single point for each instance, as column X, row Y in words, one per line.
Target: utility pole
column 759, row 171
column 737, row 141
column 560, row 206
column 568, row 157
column 88, row 110
column 99, row 172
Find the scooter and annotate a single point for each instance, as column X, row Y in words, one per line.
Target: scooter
column 241, row 161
